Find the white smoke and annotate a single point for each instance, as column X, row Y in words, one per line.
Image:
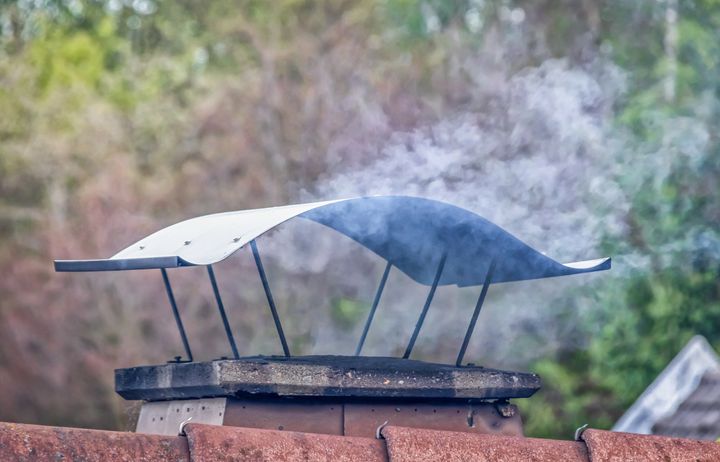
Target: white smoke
column 536, row 153
column 528, row 164
column 537, row 159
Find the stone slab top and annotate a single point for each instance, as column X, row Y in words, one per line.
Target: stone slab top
column 334, row 377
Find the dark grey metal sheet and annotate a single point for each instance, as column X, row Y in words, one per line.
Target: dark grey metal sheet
column 411, row 232
column 119, row 264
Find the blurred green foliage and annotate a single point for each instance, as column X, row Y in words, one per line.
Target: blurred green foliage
column 347, row 312
column 116, row 106
column 646, row 317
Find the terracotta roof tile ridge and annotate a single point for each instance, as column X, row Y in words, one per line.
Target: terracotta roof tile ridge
column 418, row 445
column 205, row 443
column 608, row 446
column 212, row 443
column 37, row 443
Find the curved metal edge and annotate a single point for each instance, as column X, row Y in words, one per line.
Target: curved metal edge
column 587, row 266
column 122, row 264
column 590, row 265
column 238, row 243
column 75, row 266
column 567, row 269
column 133, row 263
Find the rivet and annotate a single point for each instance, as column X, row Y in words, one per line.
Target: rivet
column 187, row 242
column 236, row 239
column 142, row 247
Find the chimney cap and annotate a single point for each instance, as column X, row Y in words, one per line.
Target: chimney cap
column 433, row 242
column 412, row 233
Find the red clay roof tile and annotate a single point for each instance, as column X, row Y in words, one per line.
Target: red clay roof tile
column 609, row 446
column 204, row 443
column 416, row 445
column 209, row 443
column 34, row 443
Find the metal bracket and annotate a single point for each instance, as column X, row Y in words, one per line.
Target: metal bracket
column 268, row 294
column 425, row 309
column 476, row 313
column 579, row 432
column 221, row 308
column 378, row 431
column 371, row 315
column 178, row 321
column 181, row 431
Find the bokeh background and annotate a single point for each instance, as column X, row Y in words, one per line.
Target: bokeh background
column 587, row 128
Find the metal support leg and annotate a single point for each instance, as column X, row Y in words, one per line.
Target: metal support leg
column 228, row 332
column 268, row 294
column 371, row 315
column 176, row 313
column 421, row 319
column 476, row 313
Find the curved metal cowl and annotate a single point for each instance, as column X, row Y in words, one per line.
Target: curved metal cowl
column 412, row 233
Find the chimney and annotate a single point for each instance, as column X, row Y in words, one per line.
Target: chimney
column 434, row 243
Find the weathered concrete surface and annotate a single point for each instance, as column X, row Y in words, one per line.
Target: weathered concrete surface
column 327, row 376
